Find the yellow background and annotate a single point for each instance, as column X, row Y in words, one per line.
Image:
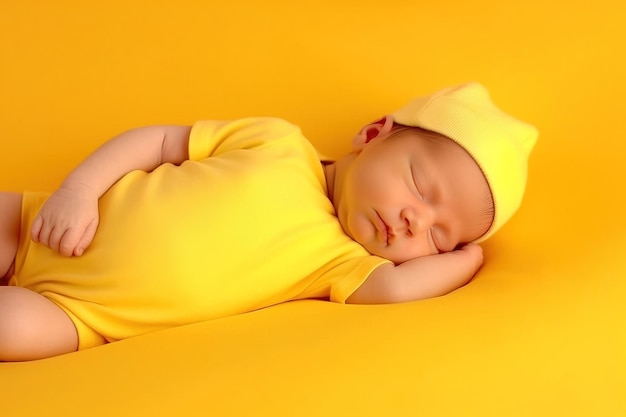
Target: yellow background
column 539, row 332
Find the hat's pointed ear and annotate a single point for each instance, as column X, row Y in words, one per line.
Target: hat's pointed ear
column 371, row 131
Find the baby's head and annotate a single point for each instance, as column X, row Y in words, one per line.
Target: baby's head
column 446, row 169
column 498, row 143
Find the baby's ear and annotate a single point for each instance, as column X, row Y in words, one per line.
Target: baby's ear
column 372, row 131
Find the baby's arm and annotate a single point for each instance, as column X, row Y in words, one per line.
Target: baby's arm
column 420, row 278
column 68, row 220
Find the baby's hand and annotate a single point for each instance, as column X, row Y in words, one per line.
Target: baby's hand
column 67, row 222
column 475, row 254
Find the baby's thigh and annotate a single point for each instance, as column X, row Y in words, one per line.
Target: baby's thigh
column 33, row 327
column 10, row 219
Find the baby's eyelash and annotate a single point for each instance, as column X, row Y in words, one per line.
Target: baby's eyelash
column 417, row 188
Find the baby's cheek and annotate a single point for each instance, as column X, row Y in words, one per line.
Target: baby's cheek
column 362, row 230
column 411, row 250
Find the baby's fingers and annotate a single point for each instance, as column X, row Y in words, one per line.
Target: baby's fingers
column 86, row 238
column 43, row 232
column 474, row 253
column 35, row 229
column 69, row 241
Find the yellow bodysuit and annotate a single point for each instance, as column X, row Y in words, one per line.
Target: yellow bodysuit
column 244, row 224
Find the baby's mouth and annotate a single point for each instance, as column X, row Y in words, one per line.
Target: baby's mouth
column 382, row 228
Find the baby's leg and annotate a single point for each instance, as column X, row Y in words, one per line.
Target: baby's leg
column 33, row 327
column 10, row 218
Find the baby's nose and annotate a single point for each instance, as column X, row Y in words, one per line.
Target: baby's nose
column 418, row 218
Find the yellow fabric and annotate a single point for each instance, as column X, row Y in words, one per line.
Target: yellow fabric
column 499, row 143
column 538, row 333
column 245, row 224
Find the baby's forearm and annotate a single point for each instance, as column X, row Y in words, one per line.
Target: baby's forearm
column 68, row 220
column 138, row 149
column 420, row 278
column 433, row 276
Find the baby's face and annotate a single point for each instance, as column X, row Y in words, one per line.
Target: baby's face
column 406, row 196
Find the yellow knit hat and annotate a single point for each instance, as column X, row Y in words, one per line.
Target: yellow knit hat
column 499, row 143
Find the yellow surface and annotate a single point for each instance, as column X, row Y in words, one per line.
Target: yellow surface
column 540, row 332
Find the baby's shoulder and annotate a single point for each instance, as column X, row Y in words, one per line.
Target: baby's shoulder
column 270, row 124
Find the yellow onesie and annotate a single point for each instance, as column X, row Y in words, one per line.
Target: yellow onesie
column 244, row 224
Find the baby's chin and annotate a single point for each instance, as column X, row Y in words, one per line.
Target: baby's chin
column 377, row 249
